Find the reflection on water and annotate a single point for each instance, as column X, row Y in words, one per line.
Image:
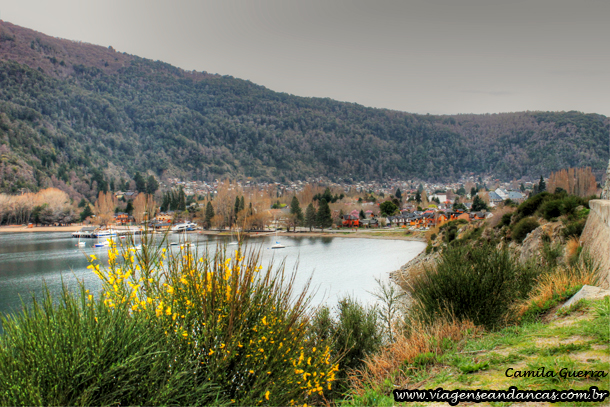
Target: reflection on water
column 338, row 266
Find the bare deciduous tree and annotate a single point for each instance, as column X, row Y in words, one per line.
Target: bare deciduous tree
column 104, row 207
column 144, row 207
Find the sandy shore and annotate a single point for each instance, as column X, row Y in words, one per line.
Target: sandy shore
column 21, row 228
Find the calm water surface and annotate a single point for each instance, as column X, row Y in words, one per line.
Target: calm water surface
column 338, row 266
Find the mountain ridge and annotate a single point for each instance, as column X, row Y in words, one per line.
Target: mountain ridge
column 80, row 113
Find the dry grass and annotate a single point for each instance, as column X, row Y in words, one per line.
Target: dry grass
column 550, row 286
column 433, row 231
column 421, row 338
column 572, row 246
column 498, row 213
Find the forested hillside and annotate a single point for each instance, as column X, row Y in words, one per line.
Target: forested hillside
column 79, row 116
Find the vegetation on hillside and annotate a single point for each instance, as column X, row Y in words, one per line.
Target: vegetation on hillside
column 86, row 123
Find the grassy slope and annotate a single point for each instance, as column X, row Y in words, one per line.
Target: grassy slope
column 577, row 340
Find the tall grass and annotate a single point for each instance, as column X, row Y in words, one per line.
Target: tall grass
column 80, row 352
column 175, row 327
column 387, row 366
column 559, row 285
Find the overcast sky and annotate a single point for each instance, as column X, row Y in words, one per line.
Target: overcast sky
column 429, row 56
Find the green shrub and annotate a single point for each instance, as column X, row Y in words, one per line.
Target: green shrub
column 531, row 205
column 522, row 228
column 355, row 332
column 551, row 209
column 476, row 283
column 450, row 229
column 505, row 221
column 574, row 229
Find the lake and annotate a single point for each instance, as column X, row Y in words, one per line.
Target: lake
column 338, row 266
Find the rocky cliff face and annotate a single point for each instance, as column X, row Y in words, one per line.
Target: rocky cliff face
column 596, row 235
column 606, row 189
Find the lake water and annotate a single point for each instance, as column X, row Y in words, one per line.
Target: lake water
column 338, row 266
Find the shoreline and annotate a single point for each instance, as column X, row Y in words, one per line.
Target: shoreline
column 373, row 234
column 39, row 229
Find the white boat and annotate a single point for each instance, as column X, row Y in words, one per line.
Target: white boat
column 106, row 233
column 105, row 243
column 79, row 243
column 278, row 245
column 183, row 227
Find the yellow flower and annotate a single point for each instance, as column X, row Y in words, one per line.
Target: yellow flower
column 93, row 257
column 267, row 395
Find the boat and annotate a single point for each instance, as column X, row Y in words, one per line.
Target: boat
column 79, row 243
column 278, row 245
column 106, row 233
column 105, row 243
column 185, row 243
column 183, row 227
column 233, row 242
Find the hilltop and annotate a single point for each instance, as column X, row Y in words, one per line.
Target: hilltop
column 72, row 114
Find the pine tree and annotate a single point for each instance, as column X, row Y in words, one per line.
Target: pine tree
column 242, row 204
column 151, row 185
column 86, row 213
column 236, row 207
column 181, row 200
column 541, row 185
column 295, row 209
column 310, row 216
column 324, row 218
column 140, row 182
column 361, row 214
column 398, row 194
column 418, row 196
column 478, row 204
column 209, row 214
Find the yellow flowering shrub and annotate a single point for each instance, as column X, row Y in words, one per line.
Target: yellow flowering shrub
column 243, row 324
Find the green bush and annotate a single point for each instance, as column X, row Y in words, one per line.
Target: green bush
column 478, row 283
column 355, row 332
column 531, row 205
column 551, row 209
column 522, row 228
column 505, row 221
column 450, row 229
column 574, row 229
